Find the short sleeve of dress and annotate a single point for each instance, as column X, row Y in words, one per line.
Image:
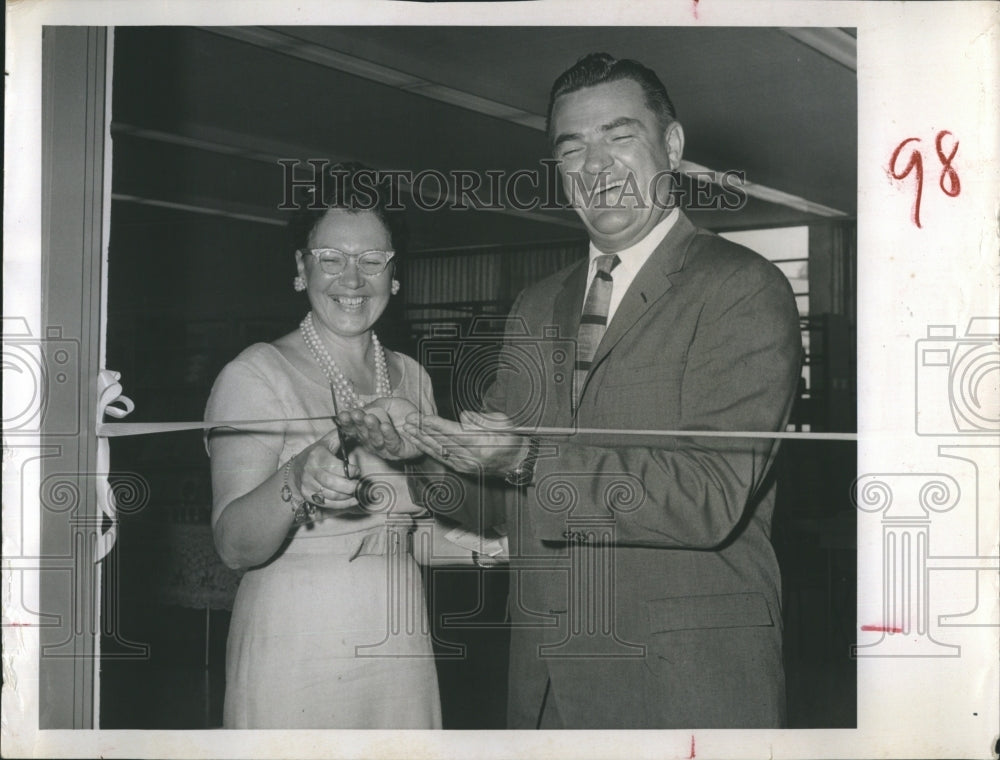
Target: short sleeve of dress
column 243, row 391
column 416, row 385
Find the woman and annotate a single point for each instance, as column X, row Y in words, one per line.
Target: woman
column 314, row 606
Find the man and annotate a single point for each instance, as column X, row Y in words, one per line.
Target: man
column 644, row 587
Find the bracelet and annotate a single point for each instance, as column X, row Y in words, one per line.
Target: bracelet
column 302, row 510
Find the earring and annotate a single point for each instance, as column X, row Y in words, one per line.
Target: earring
column 394, row 289
column 299, row 283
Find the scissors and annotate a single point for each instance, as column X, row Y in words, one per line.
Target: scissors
column 342, row 452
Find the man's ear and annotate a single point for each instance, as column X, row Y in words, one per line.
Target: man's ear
column 673, row 136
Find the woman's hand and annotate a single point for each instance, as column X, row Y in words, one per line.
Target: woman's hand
column 477, row 443
column 377, row 427
column 319, row 475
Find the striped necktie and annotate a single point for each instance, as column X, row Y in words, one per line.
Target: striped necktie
column 593, row 321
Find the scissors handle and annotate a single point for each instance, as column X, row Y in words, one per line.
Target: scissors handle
column 342, row 452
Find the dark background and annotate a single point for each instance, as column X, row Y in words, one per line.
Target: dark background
column 200, row 267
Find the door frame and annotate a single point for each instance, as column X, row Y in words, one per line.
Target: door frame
column 75, row 206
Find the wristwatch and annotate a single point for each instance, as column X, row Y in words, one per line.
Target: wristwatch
column 524, row 472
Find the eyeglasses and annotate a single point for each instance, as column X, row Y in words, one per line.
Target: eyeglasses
column 334, row 262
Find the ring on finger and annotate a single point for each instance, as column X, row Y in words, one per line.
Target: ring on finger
column 445, row 453
column 317, row 498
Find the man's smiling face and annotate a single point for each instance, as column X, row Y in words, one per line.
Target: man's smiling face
column 613, row 152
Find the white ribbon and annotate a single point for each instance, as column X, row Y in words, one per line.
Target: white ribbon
column 113, row 403
column 121, row 429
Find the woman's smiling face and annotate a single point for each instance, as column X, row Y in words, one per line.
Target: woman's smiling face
column 349, row 303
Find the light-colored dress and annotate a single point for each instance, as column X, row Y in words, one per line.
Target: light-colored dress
column 333, row 631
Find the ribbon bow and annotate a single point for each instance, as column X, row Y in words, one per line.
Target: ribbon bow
column 113, row 403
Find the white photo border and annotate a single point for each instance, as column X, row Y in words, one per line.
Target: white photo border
column 923, row 67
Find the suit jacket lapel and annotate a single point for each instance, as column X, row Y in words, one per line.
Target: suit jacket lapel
column 566, row 308
column 568, row 302
column 649, row 285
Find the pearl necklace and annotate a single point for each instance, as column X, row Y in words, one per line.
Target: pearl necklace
column 347, row 397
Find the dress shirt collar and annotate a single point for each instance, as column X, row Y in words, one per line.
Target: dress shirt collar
column 633, row 257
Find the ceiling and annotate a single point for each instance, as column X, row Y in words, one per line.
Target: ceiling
column 201, row 116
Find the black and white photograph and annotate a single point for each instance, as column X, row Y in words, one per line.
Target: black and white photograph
column 501, row 372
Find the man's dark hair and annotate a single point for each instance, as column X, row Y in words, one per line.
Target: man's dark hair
column 598, row 68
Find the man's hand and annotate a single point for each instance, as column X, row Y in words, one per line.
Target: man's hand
column 376, row 428
column 478, row 443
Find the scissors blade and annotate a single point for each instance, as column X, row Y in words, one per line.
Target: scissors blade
column 342, row 453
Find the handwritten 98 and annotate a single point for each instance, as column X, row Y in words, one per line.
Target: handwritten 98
column 948, row 181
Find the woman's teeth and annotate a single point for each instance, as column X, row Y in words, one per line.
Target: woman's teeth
column 350, row 302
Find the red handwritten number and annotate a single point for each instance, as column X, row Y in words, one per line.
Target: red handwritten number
column 949, row 181
column 954, row 184
column 915, row 162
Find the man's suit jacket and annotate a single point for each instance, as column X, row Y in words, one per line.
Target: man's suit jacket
column 644, row 587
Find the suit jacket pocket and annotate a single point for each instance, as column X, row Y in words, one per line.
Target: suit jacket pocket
column 713, row 661
column 683, row 613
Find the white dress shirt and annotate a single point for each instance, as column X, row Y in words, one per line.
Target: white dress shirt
column 632, row 259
